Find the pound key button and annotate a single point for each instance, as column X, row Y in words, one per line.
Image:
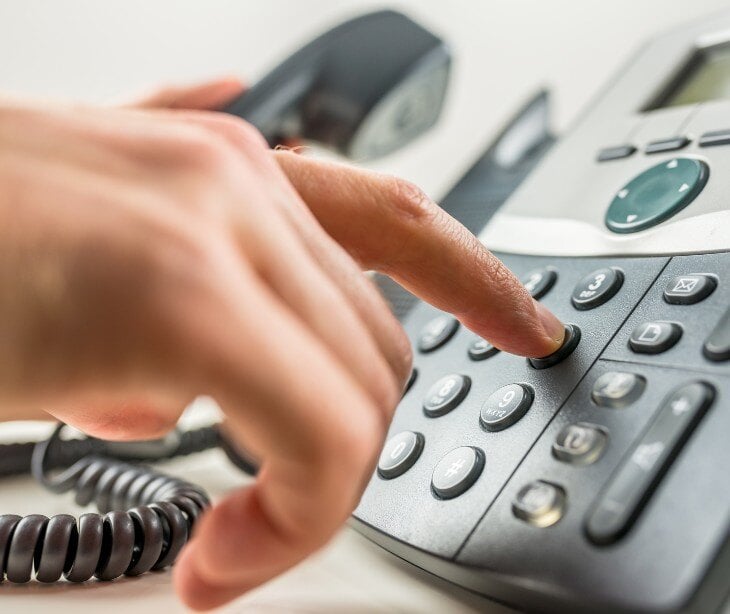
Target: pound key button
column 437, row 332
column 456, row 472
column 506, row 406
column 539, row 503
column 597, row 288
column 689, row 289
column 654, row 337
column 445, row 395
column 399, row 454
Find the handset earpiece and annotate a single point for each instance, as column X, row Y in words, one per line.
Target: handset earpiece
column 365, row 88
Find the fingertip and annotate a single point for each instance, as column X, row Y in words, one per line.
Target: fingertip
column 194, row 591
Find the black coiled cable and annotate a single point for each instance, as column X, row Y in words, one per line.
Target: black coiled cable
column 148, row 536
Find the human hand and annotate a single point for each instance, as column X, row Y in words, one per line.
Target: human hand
column 153, row 255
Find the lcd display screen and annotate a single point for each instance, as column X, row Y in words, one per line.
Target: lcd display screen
column 706, row 77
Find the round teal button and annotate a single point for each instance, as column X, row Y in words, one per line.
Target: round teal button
column 656, row 194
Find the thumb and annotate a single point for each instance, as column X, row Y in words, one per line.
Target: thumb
column 208, row 96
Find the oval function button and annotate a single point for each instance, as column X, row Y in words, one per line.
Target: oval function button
column 656, row 194
column 437, row 332
column 446, row 394
column 480, row 349
column 570, row 342
column 689, row 289
column 596, row 288
column 580, row 444
column 539, row 503
column 456, row 472
column 399, row 454
column 506, row 406
column 654, row 337
column 617, row 389
column 630, row 487
column 539, row 282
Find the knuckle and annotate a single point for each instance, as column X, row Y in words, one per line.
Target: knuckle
column 201, row 149
column 409, row 201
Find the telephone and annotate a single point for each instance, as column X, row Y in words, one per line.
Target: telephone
column 591, row 479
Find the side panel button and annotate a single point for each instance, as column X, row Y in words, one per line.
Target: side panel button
column 399, row 454
column 506, row 406
column 717, row 346
column 456, row 472
column 654, row 337
column 631, row 486
column 539, row 503
column 615, row 153
column 597, row 288
column 617, row 389
column 580, row 444
column 689, row 289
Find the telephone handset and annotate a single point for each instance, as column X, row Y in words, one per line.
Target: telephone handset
column 365, row 88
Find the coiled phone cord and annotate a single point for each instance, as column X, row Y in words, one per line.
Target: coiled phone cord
column 161, row 512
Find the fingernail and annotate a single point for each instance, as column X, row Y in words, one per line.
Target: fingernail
column 553, row 327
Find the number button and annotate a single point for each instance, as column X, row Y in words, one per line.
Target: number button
column 445, row 395
column 539, row 282
column 399, row 454
column 597, row 288
column 481, row 349
column 506, row 406
column 437, row 332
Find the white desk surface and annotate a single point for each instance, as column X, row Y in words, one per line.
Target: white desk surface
column 504, row 49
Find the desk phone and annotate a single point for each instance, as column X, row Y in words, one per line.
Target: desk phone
column 595, row 479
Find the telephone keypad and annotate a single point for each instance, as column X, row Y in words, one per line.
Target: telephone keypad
column 603, row 385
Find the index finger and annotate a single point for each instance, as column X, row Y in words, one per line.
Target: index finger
column 391, row 226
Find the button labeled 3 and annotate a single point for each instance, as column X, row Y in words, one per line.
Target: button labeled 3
column 596, row 288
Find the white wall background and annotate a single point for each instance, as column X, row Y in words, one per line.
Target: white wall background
column 101, row 50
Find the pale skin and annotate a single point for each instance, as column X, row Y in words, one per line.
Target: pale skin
column 156, row 252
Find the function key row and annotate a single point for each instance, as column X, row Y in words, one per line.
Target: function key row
column 708, row 139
